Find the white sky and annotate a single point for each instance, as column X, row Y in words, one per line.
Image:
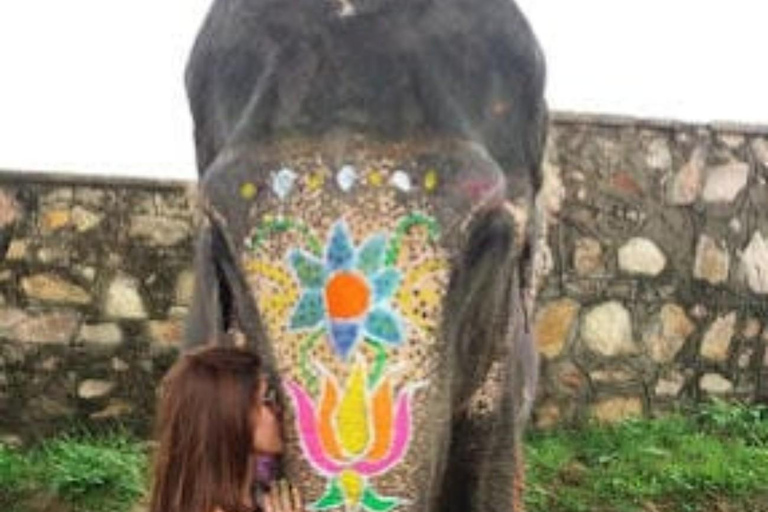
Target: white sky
column 95, row 86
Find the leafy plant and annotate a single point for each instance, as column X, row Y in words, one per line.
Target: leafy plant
column 94, row 474
column 15, row 476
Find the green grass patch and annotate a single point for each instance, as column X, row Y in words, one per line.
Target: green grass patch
column 714, row 458
column 15, row 476
column 94, row 473
column 676, row 463
column 82, row 473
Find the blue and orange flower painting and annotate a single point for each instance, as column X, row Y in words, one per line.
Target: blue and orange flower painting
column 348, row 292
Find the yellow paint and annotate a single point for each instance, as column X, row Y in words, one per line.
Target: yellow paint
column 285, row 293
column 353, row 485
column 375, row 178
column 248, row 191
column 421, row 277
column 352, row 419
column 430, row 180
column 316, row 180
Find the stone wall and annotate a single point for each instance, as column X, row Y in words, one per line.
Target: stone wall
column 656, row 294
column 94, row 284
column 658, row 289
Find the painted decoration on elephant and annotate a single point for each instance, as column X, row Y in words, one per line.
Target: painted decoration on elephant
column 353, row 433
column 351, row 295
column 348, row 292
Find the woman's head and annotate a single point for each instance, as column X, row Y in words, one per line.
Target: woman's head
column 212, row 408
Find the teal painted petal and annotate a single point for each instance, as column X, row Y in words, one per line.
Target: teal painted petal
column 340, row 253
column 309, row 312
column 333, row 497
column 373, row 502
column 383, row 325
column 385, row 284
column 309, row 270
column 370, row 258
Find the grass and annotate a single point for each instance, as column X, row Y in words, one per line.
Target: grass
column 83, row 473
column 713, row 459
column 684, row 464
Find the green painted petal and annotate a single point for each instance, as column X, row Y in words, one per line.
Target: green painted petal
column 385, row 284
column 309, row 312
column 370, row 258
column 309, row 270
column 384, row 325
column 375, row 503
column 333, row 497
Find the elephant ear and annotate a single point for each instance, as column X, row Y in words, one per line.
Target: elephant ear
column 274, row 289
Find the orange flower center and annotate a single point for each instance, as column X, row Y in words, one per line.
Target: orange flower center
column 347, row 295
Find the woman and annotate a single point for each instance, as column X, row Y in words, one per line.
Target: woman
column 217, row 420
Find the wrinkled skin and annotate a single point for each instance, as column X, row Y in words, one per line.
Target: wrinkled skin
column 277, row 83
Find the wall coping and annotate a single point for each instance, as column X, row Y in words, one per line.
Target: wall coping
column 11, row 177
column 614, row 120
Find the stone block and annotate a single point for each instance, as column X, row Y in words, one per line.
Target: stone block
column 612, row 376
column 547, row 416
column 55, row 220
column 92, row 389
column 105, row 334
column 752, row 328
column 554, row 324
column 85, row 220
column 159, row 231
column 10, row 211
column 642, row 256
column 760, row 150
column 52, row 254
column 119, row 366
column 717, row 340
column 715, row 384
column 724, row 183
column 52, row 288
column 568, row 379
column 115, row 409
column 616, row 409
column 753, row 269
column 670, row 386
column 658, row 155
column 17, row 250
column 685, row 185
column 607, row 330
column 712, row 262
column 166, row 334
column 667, row 333
column 90, row 197
column 10, row 318
column 588, row 257
column 54, row 328
column 124, row 299
column 61, row 196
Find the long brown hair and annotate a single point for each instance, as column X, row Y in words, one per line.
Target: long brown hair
column 204, row 432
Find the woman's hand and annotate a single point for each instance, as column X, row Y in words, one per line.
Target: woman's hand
column 283, row 497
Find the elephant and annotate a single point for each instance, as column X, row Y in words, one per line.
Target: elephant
column 368, row 173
